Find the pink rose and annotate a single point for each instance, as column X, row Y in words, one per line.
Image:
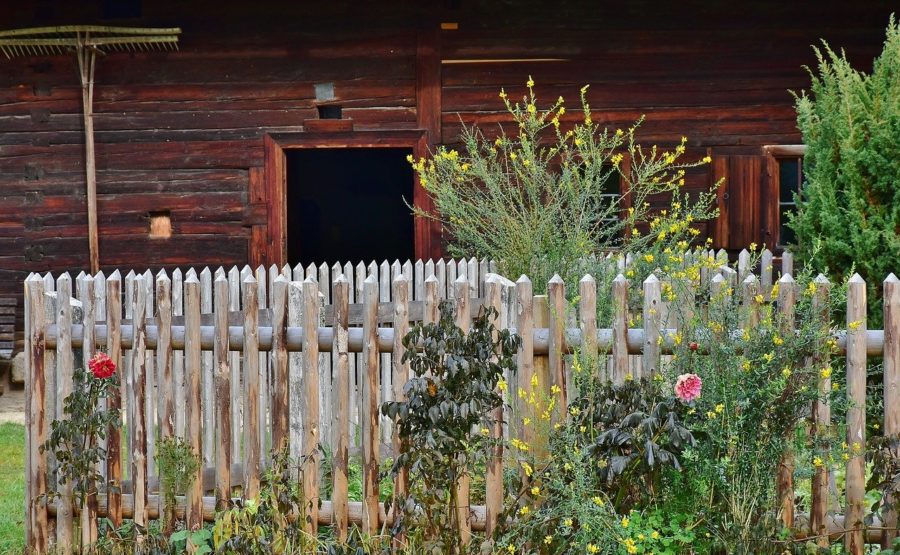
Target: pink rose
column 687, row 387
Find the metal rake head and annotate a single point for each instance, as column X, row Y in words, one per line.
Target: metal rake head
column 49, row 41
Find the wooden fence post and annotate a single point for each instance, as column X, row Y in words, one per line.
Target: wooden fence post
column 652, row 301
column 137, row 428
column 38, row 426
column 525, row 358
column 369, row 417
column 751, row 308
column 463, row 321
column 556, row 299
column 821, row 414
column 891, row 386
column 400, row 296
column 178, row 356
column 856, row 415
column 432, row 300
column 193, row 368
column 114, row 434
column 310, row 409
column 251, row 387
column 65, row 371
column 279, row 389
column 88, row 348
column 620, row 367
column 787, row 296
column 494, row 478
column 223, row 399
column 340, row 459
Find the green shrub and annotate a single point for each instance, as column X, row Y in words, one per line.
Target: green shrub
column 538, row 201
column 848, row 216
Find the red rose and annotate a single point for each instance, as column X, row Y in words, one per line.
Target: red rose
column 102, row 366
column 693, row 345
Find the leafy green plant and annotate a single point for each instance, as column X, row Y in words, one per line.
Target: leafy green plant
column 455, row 386
column 75, row 440
column 637, row 434
column 177, row 464
column 269, row 524
column 539, row 201
column 848, row 211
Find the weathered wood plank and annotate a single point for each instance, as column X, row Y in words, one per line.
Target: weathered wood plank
column 234, row 305
column 652, row 301
column 65, row 369
column 856, row 415
column 369, row 419
column 620, row 366
column 494, row 478
column 137, row 428
column 525, row 356
column 891, row 386
column 193, row 368
column 556, row 299
column 400, row 375
column 87, row 295
column 461, row 294
column 279, row 358
column 821, row 416
column 36, row 530
column 207, row 380
column 178, row 355
column 310, row 408
column 223, row 394
column 114, row 435
column 787, row 297
column 341, row 404
column 251, row 388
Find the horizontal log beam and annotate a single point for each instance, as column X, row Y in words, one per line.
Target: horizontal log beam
column 573, row 340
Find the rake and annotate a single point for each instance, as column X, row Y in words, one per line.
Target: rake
column 87, row 41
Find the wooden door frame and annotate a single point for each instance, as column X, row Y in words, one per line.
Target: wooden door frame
column 270, row 246
column 771, row 195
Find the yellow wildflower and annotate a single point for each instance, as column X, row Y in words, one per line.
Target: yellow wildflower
column 825, row 372
column 548, row 540
column 648, row 257
column 502, row 385
column 598, row 501
column 524, row 510
column 854, row 325
column 625, row 522
column 530, row 82
column 591, row 548
column 720, row 408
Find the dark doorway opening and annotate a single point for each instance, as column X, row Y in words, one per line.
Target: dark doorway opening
column 347, row 205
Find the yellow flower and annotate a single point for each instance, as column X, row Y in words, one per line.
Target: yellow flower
column 502, row 385
column 567, row 522
column 654, row 535
column 648, row 257
column 534, row 380
column 817, row 462
column 752, row 246
column 548, row 540
column 527, row 468
column 526, row 421
column 535, row 490
column 786, row 372
column 574, row 411
column 769, row 357
column 711, row 415
column 777, row 340
column 554, row 389
column 485, row 431
column 597, row 501
column 629, row 377
column 835, row 386
column 519, row 444
column 630, row 546
column 720, row 408
column 759, row 299
column 524, row 510
column 746, row 365
column 512, row 156
column 707, row 159
column 511, row 548
column 625, row 522
column 593, row 548
column 502, row 94
column 530, row 82
column 532, row 108
column 854, row 325
column 825, row 372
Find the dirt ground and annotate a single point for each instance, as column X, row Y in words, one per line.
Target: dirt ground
column 12, row 405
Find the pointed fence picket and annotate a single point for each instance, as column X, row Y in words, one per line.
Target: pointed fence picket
column 238, row 361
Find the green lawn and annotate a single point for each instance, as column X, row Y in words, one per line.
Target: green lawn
column 12, row 488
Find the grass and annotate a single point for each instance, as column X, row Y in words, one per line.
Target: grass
column 12, row 488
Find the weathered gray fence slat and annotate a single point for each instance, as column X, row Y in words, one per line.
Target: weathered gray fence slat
column 340, row 462
column 310, row 409
column 207, row 376
column 223, row 394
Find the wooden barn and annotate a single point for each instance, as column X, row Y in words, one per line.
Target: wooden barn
column 278, row 131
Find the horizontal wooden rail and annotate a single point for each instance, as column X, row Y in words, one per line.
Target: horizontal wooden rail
column 573, row 339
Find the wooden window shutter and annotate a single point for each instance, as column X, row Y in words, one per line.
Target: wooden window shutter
column 739, row 201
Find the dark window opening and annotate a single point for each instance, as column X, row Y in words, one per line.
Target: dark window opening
column 790, row 179
column 330, row 111
column 611, row 194
column 347, row 205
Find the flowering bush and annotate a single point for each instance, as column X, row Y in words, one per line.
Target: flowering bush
column 75, row 439
column 539, row 202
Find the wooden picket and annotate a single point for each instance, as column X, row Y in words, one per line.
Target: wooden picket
column 305, row 357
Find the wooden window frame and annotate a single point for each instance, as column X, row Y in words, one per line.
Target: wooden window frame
column 771, row 197
column 268, row 186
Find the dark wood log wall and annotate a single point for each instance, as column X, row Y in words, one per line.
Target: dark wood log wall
column 184, row 131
